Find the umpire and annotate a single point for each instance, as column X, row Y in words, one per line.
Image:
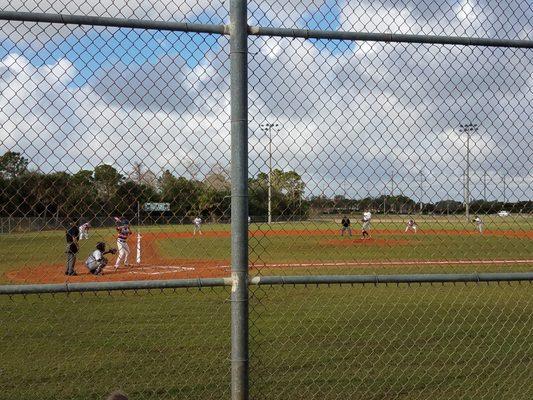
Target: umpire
column 345, row 226
column 72, row 236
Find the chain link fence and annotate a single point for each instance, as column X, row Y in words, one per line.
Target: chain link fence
column 383, row 139
column 408, row 341
column 150, row 344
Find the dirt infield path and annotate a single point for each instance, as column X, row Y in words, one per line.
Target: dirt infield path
column 156, row 266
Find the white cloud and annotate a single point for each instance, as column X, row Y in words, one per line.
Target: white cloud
column 369, row 17
column 347, row 119
column 78, row 128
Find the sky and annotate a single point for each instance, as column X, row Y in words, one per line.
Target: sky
column 354, row 118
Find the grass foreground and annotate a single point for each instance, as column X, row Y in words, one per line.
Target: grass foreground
column 359, row 342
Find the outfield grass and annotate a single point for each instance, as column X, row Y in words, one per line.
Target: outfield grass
column 294, row 249
column 330, row 248
column 356, row 342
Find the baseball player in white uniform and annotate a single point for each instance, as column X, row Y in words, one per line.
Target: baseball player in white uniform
column 123, row 229
column 367, row 217
column 197, row 226
column 96, row 261
column 480, row 226
column 411, row 226
column 84, row 230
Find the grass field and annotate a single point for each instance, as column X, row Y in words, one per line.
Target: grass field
column 301, row 244
column 373, row 342
column 358, row 342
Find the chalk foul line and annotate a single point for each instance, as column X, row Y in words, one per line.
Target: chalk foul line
column 393, row 263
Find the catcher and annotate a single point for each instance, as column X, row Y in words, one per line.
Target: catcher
column 96, row 260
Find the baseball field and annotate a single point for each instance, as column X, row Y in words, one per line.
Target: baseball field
column 171, row 251
column 329, row 342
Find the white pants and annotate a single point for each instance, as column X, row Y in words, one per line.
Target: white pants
column 197, row 228
column 408, row 228
column 84, row 235
column 480, row 228
column 123, row 253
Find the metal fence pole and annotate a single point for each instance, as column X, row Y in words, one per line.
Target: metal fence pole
column 239, row 199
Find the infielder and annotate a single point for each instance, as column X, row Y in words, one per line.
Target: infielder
column 84, row 230
column 367, row 217
column 123, row 229
column 345, row 226
column 96, row 261
column 197, row 226
column 411, row 226
column 480, row 226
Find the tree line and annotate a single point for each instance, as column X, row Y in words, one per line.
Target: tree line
column 389, row 204
column 105, row 191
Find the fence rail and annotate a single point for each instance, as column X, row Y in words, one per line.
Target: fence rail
column 266, row 281
column 67, row 19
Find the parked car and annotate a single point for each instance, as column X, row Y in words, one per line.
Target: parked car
column 504, row 213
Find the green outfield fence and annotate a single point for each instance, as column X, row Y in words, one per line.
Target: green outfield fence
column 269, row 123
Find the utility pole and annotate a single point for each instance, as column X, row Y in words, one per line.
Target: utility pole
column 392, row 189
column 504, row 189
column 385, row 191
column 421, row 182
column 468, row 128
column 267, row 128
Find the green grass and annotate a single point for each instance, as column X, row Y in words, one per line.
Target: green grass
column 408, row 342
column 26, row 250
column 294, row 249
column 319, row 249
column 171, row 345
column 355, row 342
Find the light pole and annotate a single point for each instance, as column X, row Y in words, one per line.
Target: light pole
column 485, row 185
column 267, row 128
column 392, row 191
column 422, row 179
column 467, row 129
column 391, row 175
column 504, row 189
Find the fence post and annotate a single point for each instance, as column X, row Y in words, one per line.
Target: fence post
column 239, row 198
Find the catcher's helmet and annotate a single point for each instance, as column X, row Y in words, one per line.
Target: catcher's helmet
column 100, row 246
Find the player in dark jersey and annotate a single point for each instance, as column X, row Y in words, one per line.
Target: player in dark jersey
column 345, row 226
column 72, row 237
